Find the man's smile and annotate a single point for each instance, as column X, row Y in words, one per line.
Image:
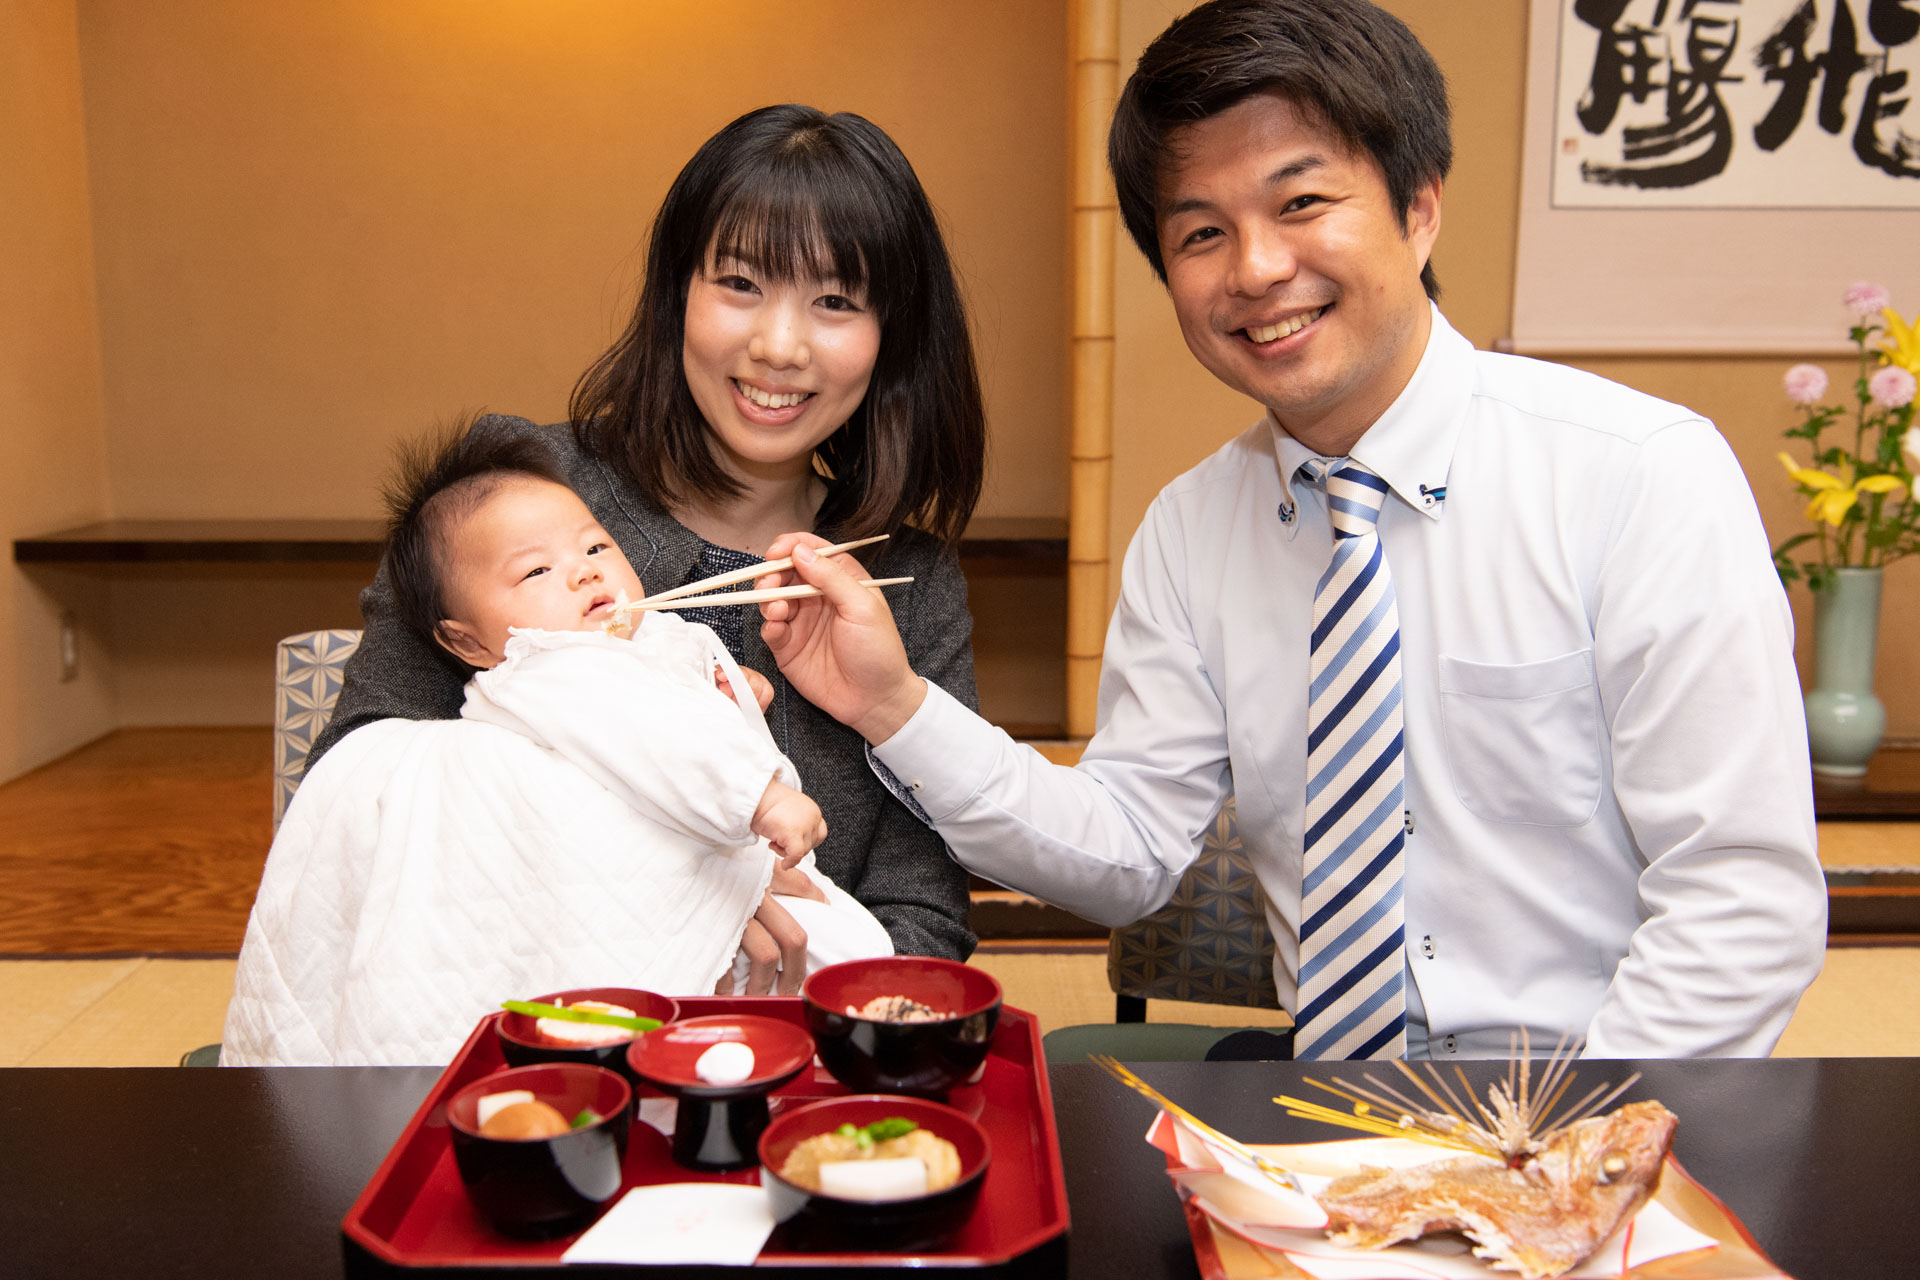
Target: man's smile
column 1259, row 335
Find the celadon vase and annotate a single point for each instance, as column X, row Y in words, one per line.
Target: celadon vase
column 1845, row 720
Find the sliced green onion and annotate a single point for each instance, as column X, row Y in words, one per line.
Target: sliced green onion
column 534, row 1009
column 586, row 1117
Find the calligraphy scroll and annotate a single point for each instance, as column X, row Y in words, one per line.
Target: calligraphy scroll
column 1708, row 175
column 1738, row 104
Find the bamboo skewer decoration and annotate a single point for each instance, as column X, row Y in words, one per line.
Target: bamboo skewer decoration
column 1516, row 1122
column 1113, row 1068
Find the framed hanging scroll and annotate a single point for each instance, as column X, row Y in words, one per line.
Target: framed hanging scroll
column 1707, row 176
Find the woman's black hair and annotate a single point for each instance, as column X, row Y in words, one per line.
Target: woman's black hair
column 1350, row 63
column 799, row 194
column 438, row 481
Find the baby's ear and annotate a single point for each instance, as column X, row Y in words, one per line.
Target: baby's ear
column 458, row 640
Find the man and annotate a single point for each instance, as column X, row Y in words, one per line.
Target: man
column 1490, row 652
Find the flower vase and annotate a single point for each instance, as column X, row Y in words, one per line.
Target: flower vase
column 1845, row 720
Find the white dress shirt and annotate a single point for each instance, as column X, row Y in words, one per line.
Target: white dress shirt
column 1606, row 755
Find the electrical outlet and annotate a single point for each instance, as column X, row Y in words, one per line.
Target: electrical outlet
column 69, row 648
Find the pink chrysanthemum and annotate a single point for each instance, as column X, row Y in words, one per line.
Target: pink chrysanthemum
column 1864, row 298
column 1805, row 383
column 1892, row 387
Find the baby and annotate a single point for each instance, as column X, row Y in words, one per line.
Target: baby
column 608, row 810
column 477, row 555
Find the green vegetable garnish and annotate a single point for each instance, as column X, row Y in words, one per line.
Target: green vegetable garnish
column 878, row 1131
column 535, row 1010
column 586, row 1117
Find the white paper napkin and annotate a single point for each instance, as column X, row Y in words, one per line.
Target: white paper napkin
column 716, row 1223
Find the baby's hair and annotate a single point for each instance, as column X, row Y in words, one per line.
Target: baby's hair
column 439, row 480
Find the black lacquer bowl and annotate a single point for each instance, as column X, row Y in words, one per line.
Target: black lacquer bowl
column 522, row 1045
column 869, row 1056
column 815, row 1220
column 541, row 1187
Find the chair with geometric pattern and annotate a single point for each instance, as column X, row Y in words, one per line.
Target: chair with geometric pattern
column 1210, row 943
column 306, row 680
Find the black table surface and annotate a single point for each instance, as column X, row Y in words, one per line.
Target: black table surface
column 247, row 1173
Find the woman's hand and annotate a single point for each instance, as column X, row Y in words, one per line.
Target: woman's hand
column 761, row 687
column 776, row 948
column 840, row 649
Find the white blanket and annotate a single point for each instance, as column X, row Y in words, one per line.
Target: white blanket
column 584, row 824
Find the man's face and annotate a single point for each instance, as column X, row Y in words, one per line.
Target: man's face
column 1292, row 279
column 531, row 555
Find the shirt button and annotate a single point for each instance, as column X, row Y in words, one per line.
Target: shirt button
column 1449, row 1044
column 915, row 785
column 1426, row 946
column 1407, row 820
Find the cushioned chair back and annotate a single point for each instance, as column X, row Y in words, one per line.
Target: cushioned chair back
column 306, row 680
column 1210, row 943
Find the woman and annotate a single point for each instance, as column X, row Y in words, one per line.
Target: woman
column 798, row 360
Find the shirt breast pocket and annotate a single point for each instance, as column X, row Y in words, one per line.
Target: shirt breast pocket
column 1524, row 741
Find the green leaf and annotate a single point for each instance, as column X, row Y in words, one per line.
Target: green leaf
column 534, row 1009
column 586, row 1117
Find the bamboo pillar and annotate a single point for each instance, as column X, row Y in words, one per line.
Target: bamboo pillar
column 1095, row 85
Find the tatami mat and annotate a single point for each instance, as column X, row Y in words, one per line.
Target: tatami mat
column 128, row 1013
column 114, row 1013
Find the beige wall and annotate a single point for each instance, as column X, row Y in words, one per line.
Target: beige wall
column 316, row 228
column 52, row 446
column 1170, row 413
column 319, row 228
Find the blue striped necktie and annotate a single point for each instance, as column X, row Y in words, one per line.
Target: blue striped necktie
column 1352, row 1000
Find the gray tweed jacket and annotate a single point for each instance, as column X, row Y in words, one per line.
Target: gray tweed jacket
column 876, row 849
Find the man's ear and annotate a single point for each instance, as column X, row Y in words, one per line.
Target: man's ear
column 1423, row 219
column 457, row 639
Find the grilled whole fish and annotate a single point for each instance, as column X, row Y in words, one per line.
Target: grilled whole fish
column 1539, row 1218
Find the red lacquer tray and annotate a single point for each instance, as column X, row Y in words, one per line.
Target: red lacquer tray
column 414, row 1215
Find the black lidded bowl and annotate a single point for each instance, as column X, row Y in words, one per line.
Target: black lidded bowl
column 522, row 1045
column 543, row 1187
column 931, row 1058
column 813, row 1220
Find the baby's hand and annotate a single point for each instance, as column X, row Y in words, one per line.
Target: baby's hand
column 762, row 688
column 789, row 821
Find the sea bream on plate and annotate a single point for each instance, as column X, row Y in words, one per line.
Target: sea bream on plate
column 1539, row 1214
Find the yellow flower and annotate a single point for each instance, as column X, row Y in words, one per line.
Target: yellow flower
column 1833, row 497
column 1901, row 346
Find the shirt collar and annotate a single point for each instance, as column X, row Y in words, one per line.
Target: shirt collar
column 1410, row 446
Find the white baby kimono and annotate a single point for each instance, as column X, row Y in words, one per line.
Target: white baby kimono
column 585, row 823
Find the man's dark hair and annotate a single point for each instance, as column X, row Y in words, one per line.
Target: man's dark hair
column 1349, row 63
column 438, row 481
column 797, row 193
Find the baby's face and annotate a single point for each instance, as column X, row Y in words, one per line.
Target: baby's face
column 531, row 555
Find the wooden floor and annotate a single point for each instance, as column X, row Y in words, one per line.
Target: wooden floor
column 146, row 841
column 150, row 842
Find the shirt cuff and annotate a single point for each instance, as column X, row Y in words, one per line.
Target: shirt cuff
column 901, row 791
column 940, row 757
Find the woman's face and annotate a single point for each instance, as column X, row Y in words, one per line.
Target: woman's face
column 775, row 367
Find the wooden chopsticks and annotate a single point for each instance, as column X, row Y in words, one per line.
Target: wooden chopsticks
column 676, row 597
column 799, row 592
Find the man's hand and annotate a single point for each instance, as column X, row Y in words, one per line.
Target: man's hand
column 776, row 948
column 840, row 649
column 788, row 821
